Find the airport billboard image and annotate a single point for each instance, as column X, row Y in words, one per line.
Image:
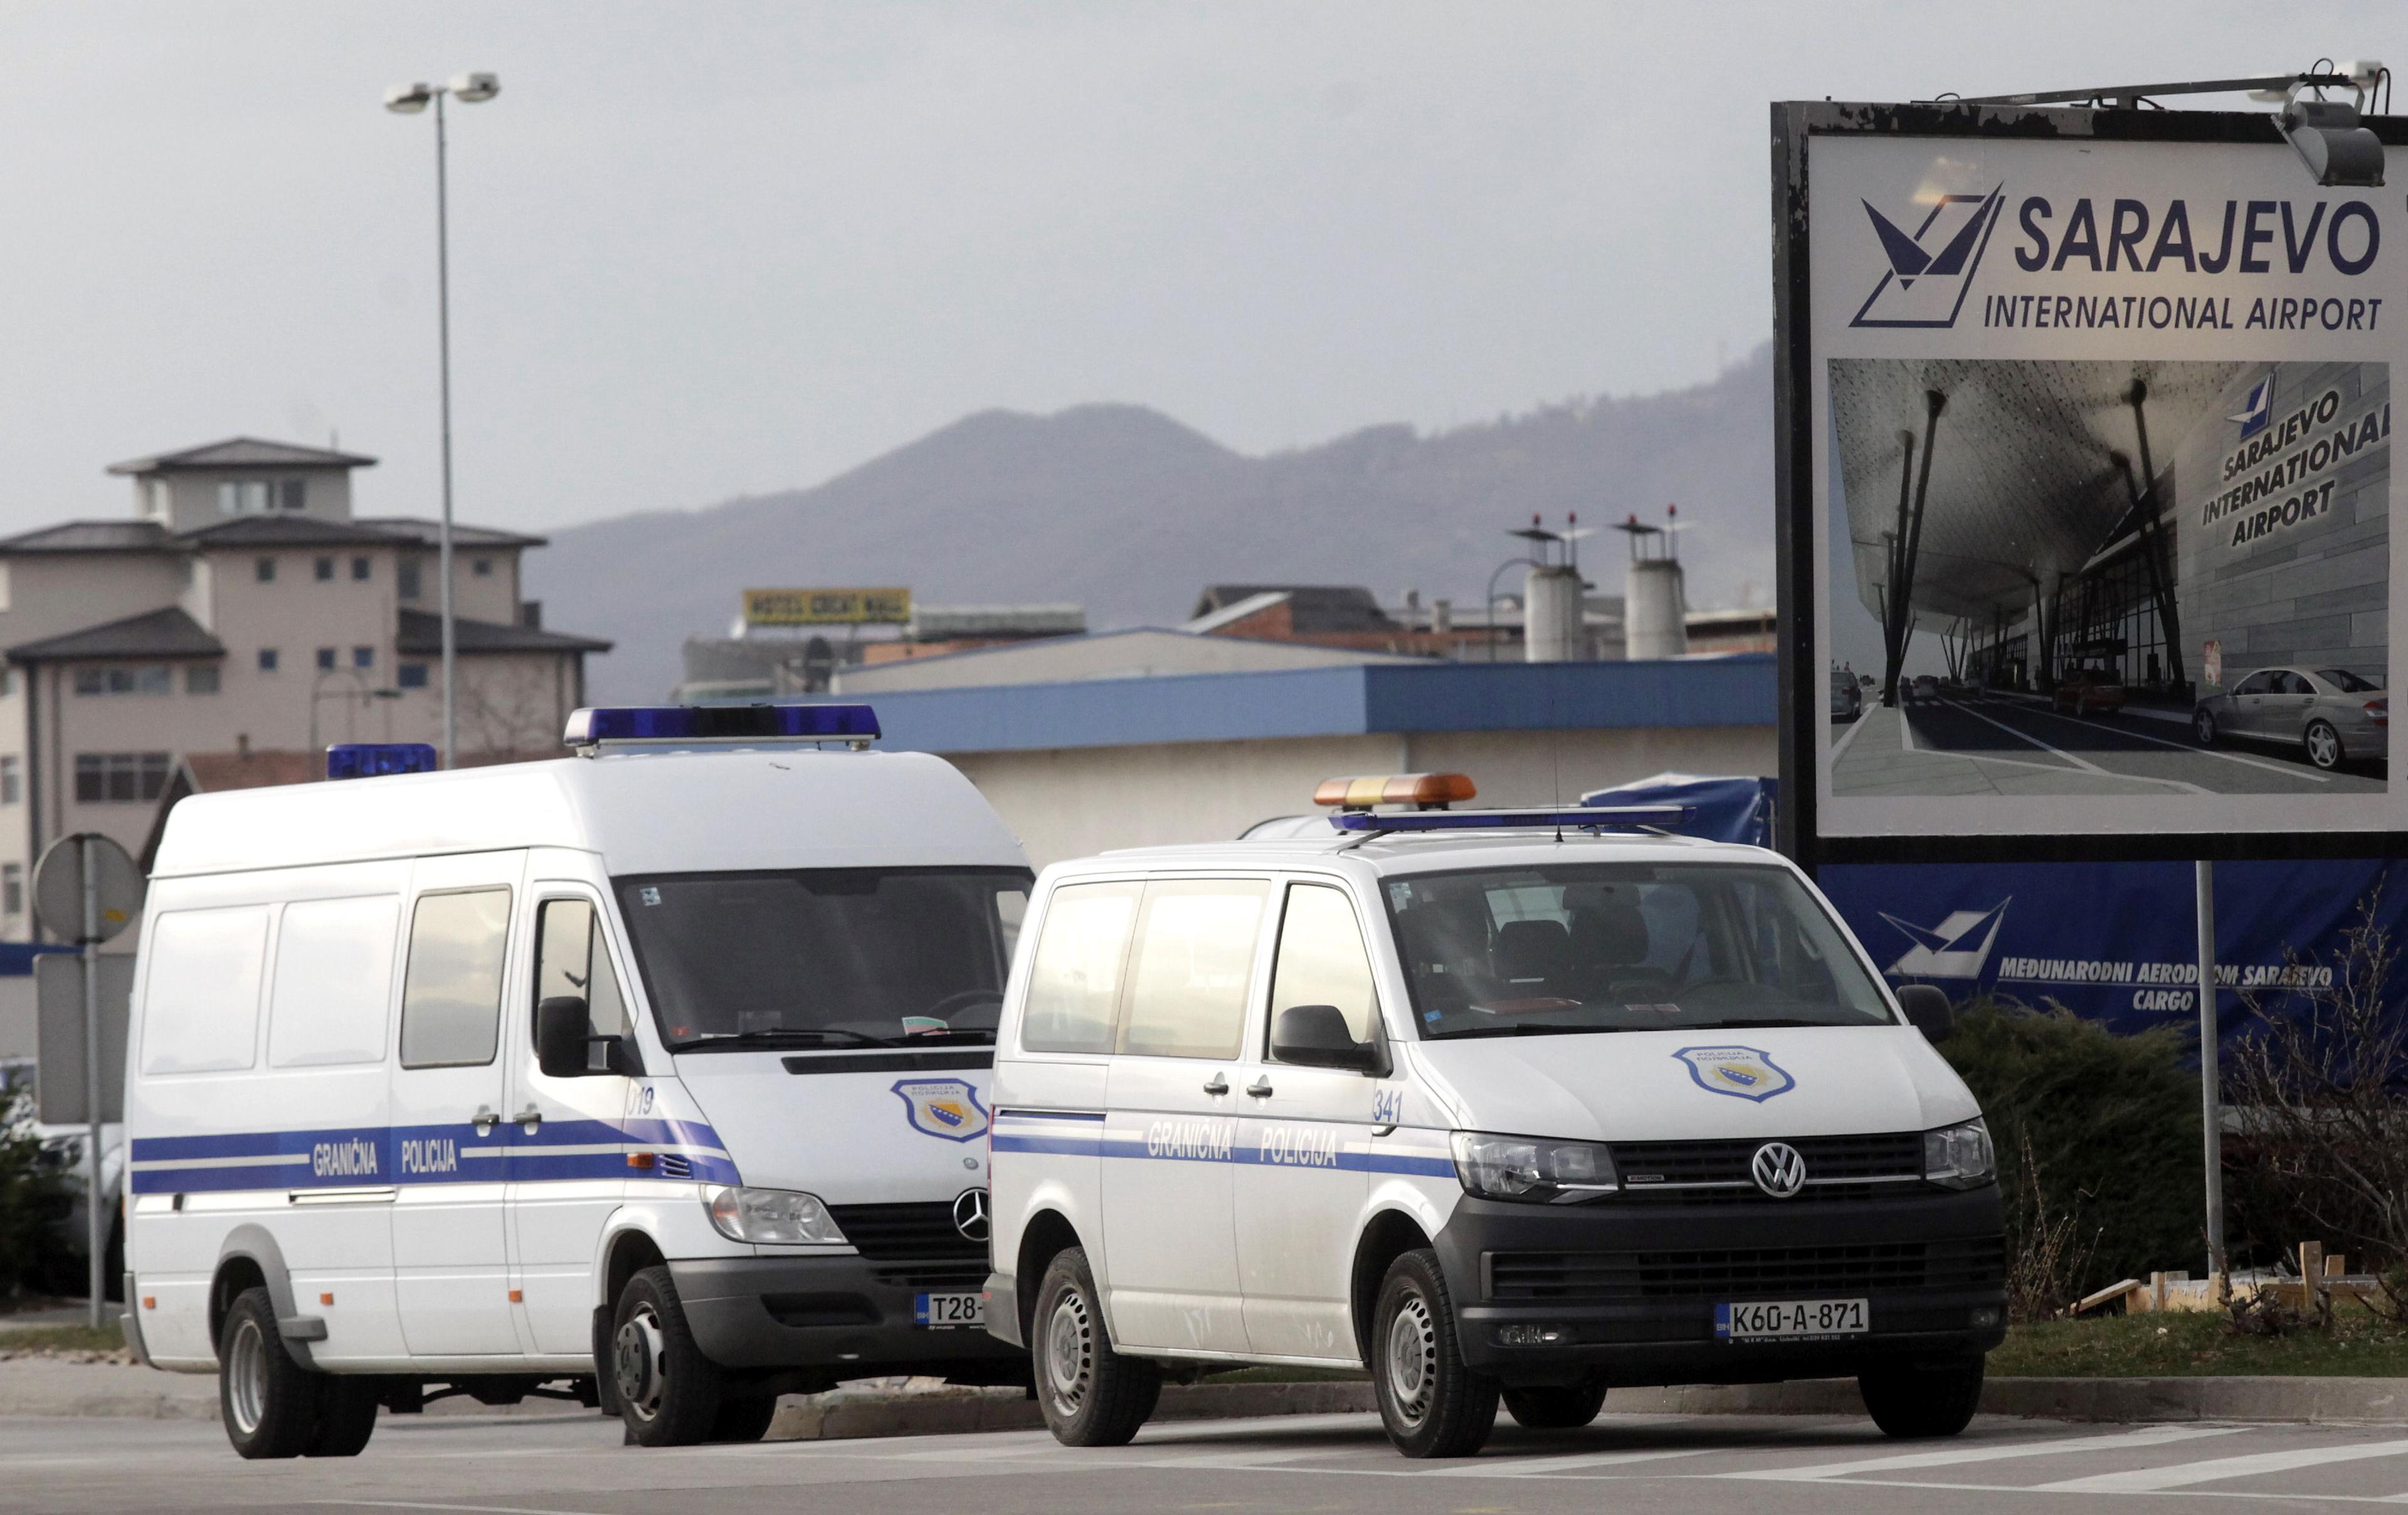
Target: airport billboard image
column 2102, row 491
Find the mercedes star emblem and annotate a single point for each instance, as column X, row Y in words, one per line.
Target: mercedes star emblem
column 969, row 1211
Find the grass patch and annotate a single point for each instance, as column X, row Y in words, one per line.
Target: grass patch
column 2199, row 1344
column 45, row 1340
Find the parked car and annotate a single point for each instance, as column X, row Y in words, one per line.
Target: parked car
column 1925, row 689
column 2333, row 713
column 2090, row 691
column 1847, row 700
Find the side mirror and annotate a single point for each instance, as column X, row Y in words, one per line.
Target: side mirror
column 560, row 1038
column 1315, row 1037
column 1927, row 1010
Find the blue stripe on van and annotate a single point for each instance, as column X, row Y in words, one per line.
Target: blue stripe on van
column 1132, row 1144
column 352, row 1157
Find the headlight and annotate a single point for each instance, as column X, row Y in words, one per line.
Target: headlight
column 771, row 1216
column 1532, row 1168
column 1960, row 1156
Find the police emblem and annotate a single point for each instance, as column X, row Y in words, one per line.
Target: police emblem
column 947, row 1107
column 1742, row 1072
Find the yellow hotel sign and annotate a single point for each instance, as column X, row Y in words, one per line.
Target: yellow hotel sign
column 826, row 606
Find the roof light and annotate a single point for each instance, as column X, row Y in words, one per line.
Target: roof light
column 688, row 723
column 1426, row 791
column 1625, row 818
column 368, row 760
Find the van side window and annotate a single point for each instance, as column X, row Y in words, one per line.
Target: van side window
column 1321, row 959
column 202, row 1012
column 1193, row 965
column 572, row 959
column 334, row 979
column 451, row 1000
column 1074, row 985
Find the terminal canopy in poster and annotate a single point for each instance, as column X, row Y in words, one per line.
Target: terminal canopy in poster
column 2101, row 496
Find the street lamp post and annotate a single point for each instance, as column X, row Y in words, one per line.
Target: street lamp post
column 408, row 100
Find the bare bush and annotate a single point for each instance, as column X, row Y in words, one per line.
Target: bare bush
column 2049, row 1250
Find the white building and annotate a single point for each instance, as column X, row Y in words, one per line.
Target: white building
column 245, row 609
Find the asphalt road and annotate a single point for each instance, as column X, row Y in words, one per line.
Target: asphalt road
column 1336, row 1464
column 2012, row 746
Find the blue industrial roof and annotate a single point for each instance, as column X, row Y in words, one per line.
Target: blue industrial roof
column 1346, row 701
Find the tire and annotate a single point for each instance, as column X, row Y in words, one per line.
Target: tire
column 744, row 1419
column 267, row 1402
column 669, row 1394
column 1089, row 1394
column 1559, row 1407
column 347, row 1415
column 2324, row 745
column 1916, row 1402
column 2203, row 725
column 1430, row 1402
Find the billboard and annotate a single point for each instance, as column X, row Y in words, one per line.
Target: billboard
column 826, row 606
column 2086, row 488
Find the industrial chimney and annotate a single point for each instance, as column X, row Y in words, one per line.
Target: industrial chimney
column 1655, row 605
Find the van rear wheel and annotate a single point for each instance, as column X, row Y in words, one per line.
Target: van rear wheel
column 1089, row 1394
column 1431, row 1404
column 347, row 1415
column 669, row 1394
column 746, row 1419
column 267, row 1402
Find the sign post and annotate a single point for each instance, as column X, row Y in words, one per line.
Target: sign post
column 2211, row 1088
column 86, row 889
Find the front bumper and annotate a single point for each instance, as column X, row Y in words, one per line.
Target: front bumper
column 839, row 1317
column 1631, row 1289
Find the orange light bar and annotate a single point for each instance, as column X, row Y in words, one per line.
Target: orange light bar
column 1425, row 791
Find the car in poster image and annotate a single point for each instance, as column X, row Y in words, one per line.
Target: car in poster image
column 1925, row 689
column 1847, row 700
column 2090, row 691
column 2334, row 714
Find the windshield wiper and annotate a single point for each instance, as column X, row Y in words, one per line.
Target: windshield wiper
column 781, row 1036
column 1763, row 1025
column 1525, row 1028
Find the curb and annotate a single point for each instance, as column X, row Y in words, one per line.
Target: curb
column 2304, row 1400
column 842, row 1414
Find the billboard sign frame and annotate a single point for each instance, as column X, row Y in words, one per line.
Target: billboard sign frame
column 884, row 606
column 1941, row 242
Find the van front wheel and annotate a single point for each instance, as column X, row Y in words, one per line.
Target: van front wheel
column 669, row 1394
column 1916, row 1401
column 1089, row 1394
column 268, row 1401
column 1432, row 1405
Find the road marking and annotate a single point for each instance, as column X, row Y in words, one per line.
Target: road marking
column 1552, row 1468
column 2149, row 1480
column 473, row 1509
column 2289, row 770
column 1905, row 728
column 2123, row 1441
column 1854, row 726
column 2012, row 731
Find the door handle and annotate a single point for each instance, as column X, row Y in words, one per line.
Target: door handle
column 1260, row 1088
column 485, row 1120
column 1218, row 1085
column 529, row 1118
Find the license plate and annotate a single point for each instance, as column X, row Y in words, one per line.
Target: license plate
column 947, row 1312
column 1790, row 1320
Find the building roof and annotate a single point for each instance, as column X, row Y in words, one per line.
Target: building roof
column 287, row 530
column 159, row 634
column 462, row 534
column 1372, row 698
column 1136, row 653
column 936, row 622
column 243, row 452
column 1315, row 608
column 422, row 636
column 88, row 537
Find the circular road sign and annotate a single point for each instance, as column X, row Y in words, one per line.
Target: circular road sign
column 58, row 886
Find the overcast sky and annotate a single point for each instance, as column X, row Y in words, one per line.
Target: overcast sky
column 708, row 249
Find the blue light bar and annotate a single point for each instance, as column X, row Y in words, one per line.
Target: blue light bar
column 1625, row 818
column 368, row 760
column 721, row 724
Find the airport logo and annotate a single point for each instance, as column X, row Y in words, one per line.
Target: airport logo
column 1740, row 1072
column 1930, row 269
column 2257, row 409
column 947, row 1107
column 1956, row 948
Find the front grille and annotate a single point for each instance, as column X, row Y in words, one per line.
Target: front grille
column 953, row 1277
column 1670, row 1172
column 1744, row 1273
column 905, row 1231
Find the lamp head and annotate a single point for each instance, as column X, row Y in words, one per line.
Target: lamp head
column 408, row 99
column 476, row 87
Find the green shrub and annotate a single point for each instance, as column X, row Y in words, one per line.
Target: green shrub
column 2095, row 1128
column 29, row 1193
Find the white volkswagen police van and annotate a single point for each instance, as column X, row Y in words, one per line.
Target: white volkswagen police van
column 654, row 1076
column 1517, row 1104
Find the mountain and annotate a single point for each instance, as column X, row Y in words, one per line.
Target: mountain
column 1126, row 511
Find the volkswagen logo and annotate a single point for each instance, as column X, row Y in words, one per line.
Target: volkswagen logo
column 1777, row 1168
column 969, row 1211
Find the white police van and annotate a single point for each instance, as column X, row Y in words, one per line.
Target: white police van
column 1517, row 1104
column 653, row 1077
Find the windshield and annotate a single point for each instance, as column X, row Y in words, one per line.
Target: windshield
column 824, row 957
column 1624, row 946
